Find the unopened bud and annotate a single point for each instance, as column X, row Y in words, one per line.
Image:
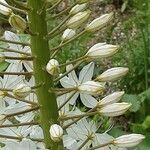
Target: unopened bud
column 56, row 132
column 91, row 87
column 22, row 90
column 130, row 140
column 112, row 98
column 17, row 22
column 53, row 67
column 78, row 19
column 2, row 57
column 115, row 109
column 5, row 10
column 99, row 23
column 101, row 50
column 68, row 34
column 78, row 8
column 112, row 74
column 2, row 119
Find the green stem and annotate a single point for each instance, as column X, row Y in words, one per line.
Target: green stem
column 40, row 49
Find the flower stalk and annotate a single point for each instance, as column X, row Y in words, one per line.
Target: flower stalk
column 47, row 100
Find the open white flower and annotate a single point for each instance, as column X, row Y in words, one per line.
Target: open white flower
column 79, row 132
column 14, row 37
column 71, row 81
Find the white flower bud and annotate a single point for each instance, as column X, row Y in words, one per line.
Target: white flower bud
column 56, row 132
column 5, row 10
column 115, row 109
column 101, row 50
column 112, row 98
column 68, row 34
column 17, row 22
column 99, row 23
column 52, row 67
column 2, row 57
column 78, row 19
column 112, row 74
column 78, row 8
column 2, row 119
column 129, row 140
column 22, row 90
column 91, row 87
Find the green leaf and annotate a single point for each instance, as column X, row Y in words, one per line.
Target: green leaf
column 146, row 123
column 134, row 100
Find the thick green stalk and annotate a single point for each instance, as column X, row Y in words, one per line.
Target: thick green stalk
column 40, row 49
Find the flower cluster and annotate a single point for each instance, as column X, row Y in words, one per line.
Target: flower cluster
column 20, row 126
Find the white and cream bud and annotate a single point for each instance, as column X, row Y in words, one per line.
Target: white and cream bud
column 22, row 90
column 99, row 23
column 68, row 34
column 5, row 10
column 115, row 109
column 56, row 132
column 112, row 74
column 2, row 119
column 91, row 87
column 17, row 22
column 130, row 140
column 78, row 8
column 2, row 57
column 53, row 67
column 101, row 50
column 77, row 20
column 112, row 98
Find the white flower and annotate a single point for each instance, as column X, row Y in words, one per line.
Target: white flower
column 52, row 67
column 110, row 99
column 101, row 50
column 9, row 82
column 129, row 140
column 100, row 22
column 68, row 34
column 56, row 132
column 78, row 19
column 20, row 63
column 115, row 109
column 79, row 132
column 5, row 10
column 78, row 8
column 91, row 87
column 22, row 90
column 25, row 144
column 112, row 74
column 71, row 81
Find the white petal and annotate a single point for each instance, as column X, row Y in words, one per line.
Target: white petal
column 86, row 73
column 88, row 100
